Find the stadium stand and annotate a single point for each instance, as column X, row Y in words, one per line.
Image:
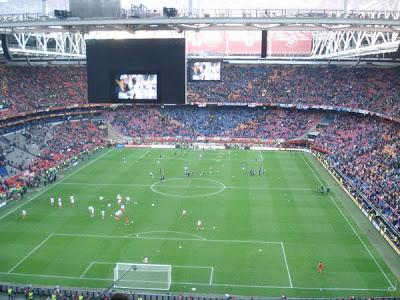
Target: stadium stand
column 363, row 148
column 24, row 89
column 212, row 122
column 38, row 148
column 370, row 89
column 367, row 151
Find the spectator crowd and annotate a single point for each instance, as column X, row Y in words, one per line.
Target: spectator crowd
column 372, row 89
column 27, row 88
column 367, row 152
column 58, row 144
column 227, row 122
column 24, row 88
column 365, row 149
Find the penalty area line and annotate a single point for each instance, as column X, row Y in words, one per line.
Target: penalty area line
column 287, row 265
column 30, row 253
column 86, row 270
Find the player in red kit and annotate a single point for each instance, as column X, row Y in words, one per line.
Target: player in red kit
column 126, row 220
column 320, row 267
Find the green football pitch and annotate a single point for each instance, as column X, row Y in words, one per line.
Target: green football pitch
column 263, row 235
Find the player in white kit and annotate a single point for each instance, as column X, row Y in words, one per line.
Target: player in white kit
column 199, row 225
column 118, row 215
column 91, row 211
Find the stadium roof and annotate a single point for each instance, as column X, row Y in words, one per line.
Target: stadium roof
column 345, row 29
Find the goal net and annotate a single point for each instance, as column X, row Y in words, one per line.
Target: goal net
column 142, row 276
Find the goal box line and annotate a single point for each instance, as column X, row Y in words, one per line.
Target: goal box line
column 142, row 276
column 139, row 265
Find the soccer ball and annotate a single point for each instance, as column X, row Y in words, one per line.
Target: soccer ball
column 152, row 204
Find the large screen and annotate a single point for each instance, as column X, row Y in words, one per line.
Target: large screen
column 136, row 71
column 205, row 70
column 135, row 86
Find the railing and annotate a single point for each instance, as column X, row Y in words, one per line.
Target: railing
column 93, row 294
column 288, row 13
column 231, row 13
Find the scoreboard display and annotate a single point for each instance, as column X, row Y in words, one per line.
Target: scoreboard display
column 136, row 71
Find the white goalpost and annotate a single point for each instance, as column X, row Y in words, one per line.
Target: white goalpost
column 142, row 276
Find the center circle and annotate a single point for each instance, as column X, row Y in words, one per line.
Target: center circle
column 198, row 187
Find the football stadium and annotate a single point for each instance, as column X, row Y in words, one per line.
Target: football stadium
column 196, row 149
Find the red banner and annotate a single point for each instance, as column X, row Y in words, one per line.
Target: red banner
column 289, row 43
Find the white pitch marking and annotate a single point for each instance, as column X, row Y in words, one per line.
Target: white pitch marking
column 351, row 226
column 262, row 159
column 164, row 238
column 186, row 186
column 87, row 269
column 30, row 253
column 54, row 185
column 211, row 276
column 287, row 265
column 167, row 231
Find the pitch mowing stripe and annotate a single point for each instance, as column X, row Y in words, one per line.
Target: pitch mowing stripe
column 187, row 186
column 54, row 185
column 351, row 226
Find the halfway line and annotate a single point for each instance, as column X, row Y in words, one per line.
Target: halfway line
column 188, row 186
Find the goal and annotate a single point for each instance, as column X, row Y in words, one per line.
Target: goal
column 142, row 276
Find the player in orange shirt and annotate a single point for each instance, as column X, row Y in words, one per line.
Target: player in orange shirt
column 320, row 267
column 126, row 220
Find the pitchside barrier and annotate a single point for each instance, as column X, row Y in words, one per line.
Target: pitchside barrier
column 67, row 294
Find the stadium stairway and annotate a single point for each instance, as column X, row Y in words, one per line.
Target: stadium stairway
column 311, row 131
column 16, row 158
column 115, row 136
column 17, row 140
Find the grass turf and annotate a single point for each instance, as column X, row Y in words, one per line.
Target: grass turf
column 264, row 235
